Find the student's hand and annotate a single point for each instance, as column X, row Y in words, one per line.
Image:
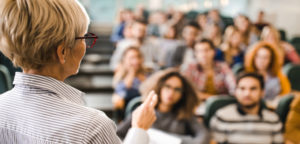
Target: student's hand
column 144, row 116
column 118, row 101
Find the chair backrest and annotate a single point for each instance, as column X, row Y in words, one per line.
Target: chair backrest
column 282, row 34
column 132, row 105
column 213, row 104
column 293, row 73
column 5, row 79
column 283, row 107
column 237, row 68
column 295, row 40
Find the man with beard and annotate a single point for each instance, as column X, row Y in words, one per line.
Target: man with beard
column 247, row 121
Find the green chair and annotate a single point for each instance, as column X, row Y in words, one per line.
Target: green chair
column 5, row 79
column 292, row 71
column 237, row 68
column 282, row 34
column 132, row 105
column 215, row 103
column 295, row 40
column 297, row 47
column 284, row 107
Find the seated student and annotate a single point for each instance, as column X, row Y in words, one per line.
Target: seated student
column 248, row 121
column 231, row 50
column 128, row 77
column 148, row 46
column 264, row 58
column 271, row 35
column 175, row 108
column 292, row 125
column 248, row 31
column 209, row 76
column 167, row 45
column 184, row 51
column 214, row 34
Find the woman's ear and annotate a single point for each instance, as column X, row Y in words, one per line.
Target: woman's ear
column 61, row 54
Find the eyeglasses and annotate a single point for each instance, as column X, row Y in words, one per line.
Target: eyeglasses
column 90, row 39
column 177, row 90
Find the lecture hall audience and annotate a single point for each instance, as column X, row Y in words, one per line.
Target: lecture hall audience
column 206, row 49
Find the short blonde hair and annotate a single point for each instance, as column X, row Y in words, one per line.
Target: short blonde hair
column 31, row 30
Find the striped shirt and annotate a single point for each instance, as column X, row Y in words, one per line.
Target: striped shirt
column 43, row 110
column 231, row 125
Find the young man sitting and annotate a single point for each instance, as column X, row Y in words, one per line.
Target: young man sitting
column 248, row 121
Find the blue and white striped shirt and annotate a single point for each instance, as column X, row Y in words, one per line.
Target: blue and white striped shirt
column 44, row 110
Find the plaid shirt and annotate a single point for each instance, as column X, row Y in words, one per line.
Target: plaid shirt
column 223, row 78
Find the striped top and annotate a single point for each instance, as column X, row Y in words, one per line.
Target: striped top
column 230, row 125
column 43, row 110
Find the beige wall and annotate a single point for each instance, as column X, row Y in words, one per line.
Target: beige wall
column 284, row 14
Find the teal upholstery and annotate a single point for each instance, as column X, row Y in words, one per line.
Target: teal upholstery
column 132, row 105
column 295, row 40
column 5, row 79
column 293, row 73
column 237, row 68
column 284, row 107
column 213, row 104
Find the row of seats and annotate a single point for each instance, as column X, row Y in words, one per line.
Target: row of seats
column 296, row 43
column 215, row 103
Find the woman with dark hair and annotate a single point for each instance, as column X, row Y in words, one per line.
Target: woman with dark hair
column 175, row 108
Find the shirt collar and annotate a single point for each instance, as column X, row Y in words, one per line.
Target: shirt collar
column 242, row 112
column 64, row 91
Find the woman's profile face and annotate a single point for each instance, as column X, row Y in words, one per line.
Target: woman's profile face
column 263, row 59
column 74, row 57
column 171, row 91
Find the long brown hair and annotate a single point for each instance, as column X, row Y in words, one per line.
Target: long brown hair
column 184, row 108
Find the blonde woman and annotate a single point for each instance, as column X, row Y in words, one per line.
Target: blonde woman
column 128, row 77
column 232, row 49
column 271, row 35
column 48, row 39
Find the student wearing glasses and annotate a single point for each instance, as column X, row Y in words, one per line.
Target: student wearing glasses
column 175, row 108
column 48, row 41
